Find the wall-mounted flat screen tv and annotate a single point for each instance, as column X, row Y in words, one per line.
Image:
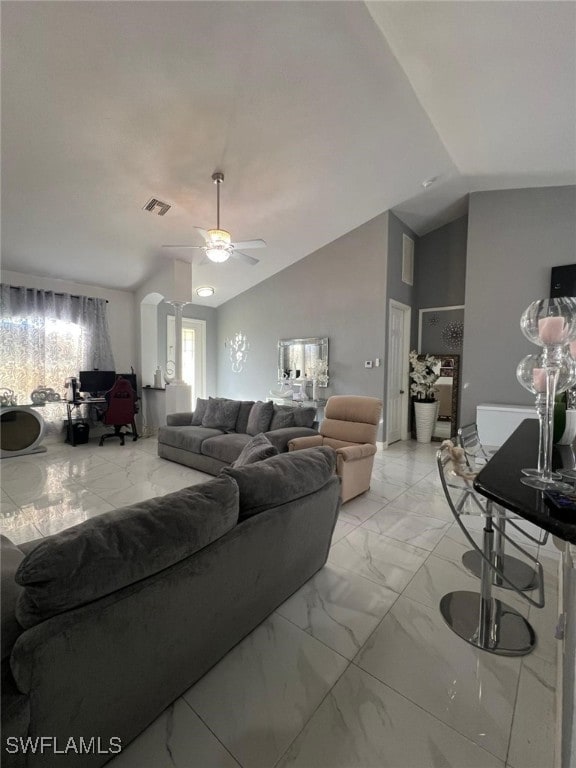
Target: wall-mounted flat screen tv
column 563, row 281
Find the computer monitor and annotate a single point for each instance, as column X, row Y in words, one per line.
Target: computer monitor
column 96, row 382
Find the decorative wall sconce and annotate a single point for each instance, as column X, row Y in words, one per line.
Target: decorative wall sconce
column 238, row 347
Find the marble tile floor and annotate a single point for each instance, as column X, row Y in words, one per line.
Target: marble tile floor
column 357, row 669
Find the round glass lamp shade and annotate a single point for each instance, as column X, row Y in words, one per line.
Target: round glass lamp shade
column 531, row 374
column 550, row 322
column 218, row 254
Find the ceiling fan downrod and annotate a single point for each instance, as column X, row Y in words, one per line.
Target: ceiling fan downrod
column 217, row 178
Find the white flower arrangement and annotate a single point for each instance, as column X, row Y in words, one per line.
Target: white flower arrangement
column 423, row 376
column 318, row 371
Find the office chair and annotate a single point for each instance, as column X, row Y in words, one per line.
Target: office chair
column 121, row 399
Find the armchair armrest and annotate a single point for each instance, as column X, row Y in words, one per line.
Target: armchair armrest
column 355, row 452
column 305, row 442
column 179, row 419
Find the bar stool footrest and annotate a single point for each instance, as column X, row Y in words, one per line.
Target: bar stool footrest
column 520, row 573
column 510, row 634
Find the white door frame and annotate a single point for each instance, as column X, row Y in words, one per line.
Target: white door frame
column 407, row 314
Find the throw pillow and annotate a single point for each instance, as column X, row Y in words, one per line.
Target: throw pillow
column 304, row 417
column 10, row 558
column 243, row 416
column 283, row 417
column 116, row 549
column 221, row 413
column 199, row 412
column 260, row 418
column 255, row 450
column 282, row 478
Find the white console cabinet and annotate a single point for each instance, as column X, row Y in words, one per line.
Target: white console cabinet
column 497, row 422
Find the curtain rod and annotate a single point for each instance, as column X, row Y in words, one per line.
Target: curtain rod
column 57, row 293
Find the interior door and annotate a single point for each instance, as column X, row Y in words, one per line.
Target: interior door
column 398, row 392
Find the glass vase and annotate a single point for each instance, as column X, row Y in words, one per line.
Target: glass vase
column 551, row 324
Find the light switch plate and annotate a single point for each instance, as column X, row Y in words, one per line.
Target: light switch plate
column 368, row 364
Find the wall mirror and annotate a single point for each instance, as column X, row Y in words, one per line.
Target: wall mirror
column 448, row 395
column 298, row 357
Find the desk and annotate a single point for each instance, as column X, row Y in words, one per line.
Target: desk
column 499, row 480
column 70, row 405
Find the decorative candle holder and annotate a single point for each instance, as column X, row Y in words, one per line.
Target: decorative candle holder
column 551, row 324
column 533, row 376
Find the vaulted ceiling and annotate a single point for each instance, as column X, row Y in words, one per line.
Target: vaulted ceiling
column 320, row 114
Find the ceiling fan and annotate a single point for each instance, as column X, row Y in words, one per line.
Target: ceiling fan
column 219, row 246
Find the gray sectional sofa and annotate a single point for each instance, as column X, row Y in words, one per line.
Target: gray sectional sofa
column 106, row 623
column 213, row 436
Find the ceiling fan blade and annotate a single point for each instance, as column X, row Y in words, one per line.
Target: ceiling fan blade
column 203, row 232
column 245, row 258
column 250, row 244
column 182, row 246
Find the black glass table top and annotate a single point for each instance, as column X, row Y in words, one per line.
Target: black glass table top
column 499, row 480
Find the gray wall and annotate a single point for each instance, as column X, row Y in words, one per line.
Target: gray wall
column 196, row 312
column 514, row 238
column 440, row 270
column 337, row 291
column 396, row 289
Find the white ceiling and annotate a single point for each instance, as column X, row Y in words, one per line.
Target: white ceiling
column 321, row 115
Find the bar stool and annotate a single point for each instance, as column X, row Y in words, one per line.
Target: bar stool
column 518, row 571
column 477, row 617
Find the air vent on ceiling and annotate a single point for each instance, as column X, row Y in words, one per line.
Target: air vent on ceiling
column 158, row 206
column 407, row 260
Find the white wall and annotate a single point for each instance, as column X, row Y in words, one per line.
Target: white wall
column 121, row 311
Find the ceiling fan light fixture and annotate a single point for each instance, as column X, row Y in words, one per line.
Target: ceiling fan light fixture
column 204, row 291
column 219, row 237
column 218, row 254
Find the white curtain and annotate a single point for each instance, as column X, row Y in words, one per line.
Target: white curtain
column 45, row 337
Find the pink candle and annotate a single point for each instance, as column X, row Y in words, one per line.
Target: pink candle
column 573, row 349
column 551, row 330
column 539, row 379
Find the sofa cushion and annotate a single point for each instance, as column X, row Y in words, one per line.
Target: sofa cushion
column 256, row 449
column 283, row 417
column 10, row 558
column 187, row 438
column 199, row 412
column 110, row 551
column 221, row 413
column 281, row 479
column 260, row 418
column 304, row 417
column 225, row 448
column 243, row 416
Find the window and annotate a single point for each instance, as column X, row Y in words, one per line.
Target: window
column 47, row 337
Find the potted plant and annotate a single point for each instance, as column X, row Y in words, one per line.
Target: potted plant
column 424, row 372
